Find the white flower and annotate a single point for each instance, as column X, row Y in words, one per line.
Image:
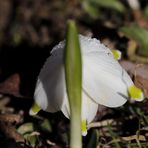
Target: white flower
column 104, row 82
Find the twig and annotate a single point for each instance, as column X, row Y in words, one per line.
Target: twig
column 101, row 123
column 11, row 118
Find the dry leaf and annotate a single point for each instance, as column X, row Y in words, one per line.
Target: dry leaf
column 140, row 74
column 11, row 86
column 10, row 132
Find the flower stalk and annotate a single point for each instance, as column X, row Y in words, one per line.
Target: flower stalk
column 73, row 76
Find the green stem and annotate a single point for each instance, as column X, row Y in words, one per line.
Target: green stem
column 75, row 133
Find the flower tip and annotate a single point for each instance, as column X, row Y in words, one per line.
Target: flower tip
column 116, row 53
column 84, row 133
column 135, row 93
column 84, row 128
column 34, row 109
column 32, row 113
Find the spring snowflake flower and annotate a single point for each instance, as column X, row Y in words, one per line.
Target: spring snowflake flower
column 104, row 81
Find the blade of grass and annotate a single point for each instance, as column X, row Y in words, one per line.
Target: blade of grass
column 114, row 4
column 114, row 136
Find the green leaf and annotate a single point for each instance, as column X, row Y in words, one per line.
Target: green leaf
column 46, row 126
column 90, row 9
column 138, row 34
column 73, row 66
column 146, row 12
column 31, row 139
column 73, row 76
column 113, row 4
column 17, row 38
column 93, row 142
column 25, row 128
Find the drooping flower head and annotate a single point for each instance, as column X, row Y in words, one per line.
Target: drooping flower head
column 104, row 81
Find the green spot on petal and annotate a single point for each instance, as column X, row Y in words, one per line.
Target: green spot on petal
column 34, row 109
column 84, row 128
column 135, row 93
column 116, row 54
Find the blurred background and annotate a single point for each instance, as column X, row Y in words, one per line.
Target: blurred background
column 29, row 29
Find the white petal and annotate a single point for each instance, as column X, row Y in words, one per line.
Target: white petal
column 87, row 44
column 65, row 107
column 91, row 45
column 103, row 79
column 49, row 91
column 89, row 108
